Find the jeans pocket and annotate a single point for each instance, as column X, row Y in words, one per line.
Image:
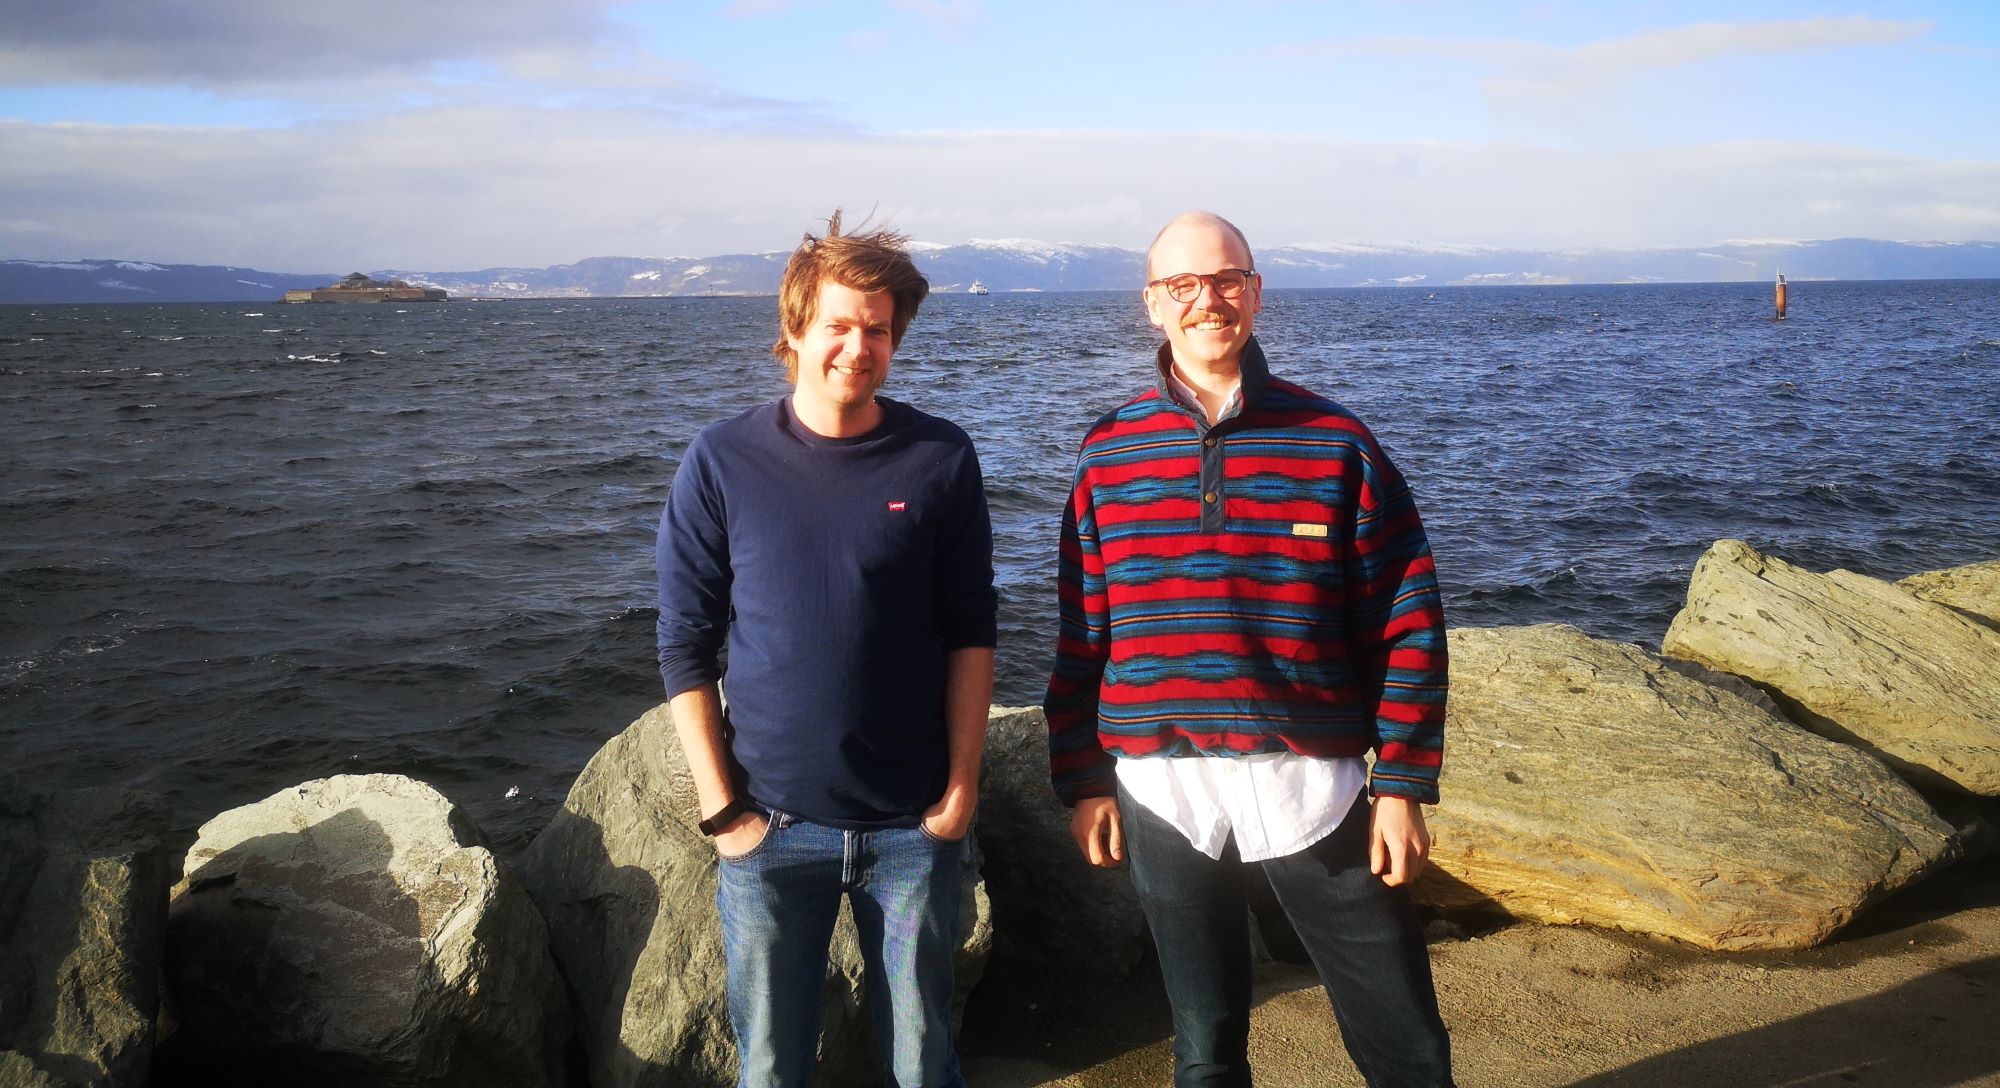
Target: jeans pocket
column 773, row 820
column 939, row 839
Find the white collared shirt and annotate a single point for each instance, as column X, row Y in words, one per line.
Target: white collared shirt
column 1189, row 399
column 1275, row 803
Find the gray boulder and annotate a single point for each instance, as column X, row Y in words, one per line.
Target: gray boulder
column 1054, row 915
column 1855, row 659
column 355, row 930
column 627, row 882
column 1973, row 590
column 1588, row 782
column 83, row 883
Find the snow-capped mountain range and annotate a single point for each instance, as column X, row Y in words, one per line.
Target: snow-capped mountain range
column 1020, row 265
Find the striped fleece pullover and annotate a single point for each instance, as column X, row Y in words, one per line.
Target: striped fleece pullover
column 1260, row 585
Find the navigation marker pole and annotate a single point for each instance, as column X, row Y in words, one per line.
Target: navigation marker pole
column 1781, row 296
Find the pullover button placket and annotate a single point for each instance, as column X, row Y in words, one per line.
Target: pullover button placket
column 1213, row 473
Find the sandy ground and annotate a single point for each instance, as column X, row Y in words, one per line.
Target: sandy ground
column 1908, row 997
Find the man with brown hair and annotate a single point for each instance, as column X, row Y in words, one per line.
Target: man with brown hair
column 838, row 542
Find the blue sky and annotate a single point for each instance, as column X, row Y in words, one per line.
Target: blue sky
column 456, row 134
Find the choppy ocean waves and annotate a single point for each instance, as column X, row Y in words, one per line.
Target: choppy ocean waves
column 249, row 549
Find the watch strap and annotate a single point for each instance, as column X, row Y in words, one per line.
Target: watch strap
column 713, row 825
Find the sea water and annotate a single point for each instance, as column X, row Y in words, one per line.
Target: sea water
column 245, row 546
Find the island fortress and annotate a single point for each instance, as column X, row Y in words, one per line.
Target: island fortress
column 360, row 288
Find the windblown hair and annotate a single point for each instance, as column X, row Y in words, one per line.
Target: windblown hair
column 873, row 262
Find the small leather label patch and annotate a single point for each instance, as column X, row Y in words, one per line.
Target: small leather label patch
column 1308, row 528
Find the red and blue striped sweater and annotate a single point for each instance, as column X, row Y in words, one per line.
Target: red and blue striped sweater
column 1260, row 585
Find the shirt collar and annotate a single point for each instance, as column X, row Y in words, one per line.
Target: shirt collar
column 1185, row 395
column 1253, row 373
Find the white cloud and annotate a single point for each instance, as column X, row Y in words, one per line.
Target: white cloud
column 27, row 228
column 362, row 56
column 1967, row 219
column 1580, row 83
column 1673, row 47
column 1558, row 77
column 252, row 43
column 457, row 188
column 866, row 41
column 950, row 16
column 1706, row 41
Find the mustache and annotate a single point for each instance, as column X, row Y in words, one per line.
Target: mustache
column 1225, row 313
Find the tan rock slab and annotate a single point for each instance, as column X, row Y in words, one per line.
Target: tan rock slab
column 1973, row 590
column 1588, row 782
column 1853, row 658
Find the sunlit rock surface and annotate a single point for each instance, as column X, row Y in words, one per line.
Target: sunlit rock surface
column 1973, row 590
column 1586, row 781
column 1854, row 658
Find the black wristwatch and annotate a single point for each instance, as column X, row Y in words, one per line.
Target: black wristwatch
column 713, row 825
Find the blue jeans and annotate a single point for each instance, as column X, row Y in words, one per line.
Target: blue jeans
column 779, row 903
column 1363, row 936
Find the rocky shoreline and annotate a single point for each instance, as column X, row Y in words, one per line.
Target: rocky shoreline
column 1806, row 746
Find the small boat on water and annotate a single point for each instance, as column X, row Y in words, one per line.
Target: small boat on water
column 977, row 288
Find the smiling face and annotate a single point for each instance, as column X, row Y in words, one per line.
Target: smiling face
column 1209, row 332
column 843, row 358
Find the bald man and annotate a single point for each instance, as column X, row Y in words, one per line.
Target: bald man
column 1248, row 607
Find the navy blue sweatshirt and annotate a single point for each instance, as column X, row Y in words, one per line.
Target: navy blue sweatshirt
column 841, row 571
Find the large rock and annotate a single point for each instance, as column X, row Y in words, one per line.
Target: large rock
column 355, row 930
column 1587, row 781
column 83, row 883
column 1973, row 590
column 1855, row 659
column 1054, row 916
column 628, row 884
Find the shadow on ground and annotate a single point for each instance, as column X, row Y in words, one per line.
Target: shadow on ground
column 1931, row 1032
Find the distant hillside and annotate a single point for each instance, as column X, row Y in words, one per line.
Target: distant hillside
column 1724, row 262
column 1041, row 266
column 1003, row 266
column 138, row 281
column 1014, row 265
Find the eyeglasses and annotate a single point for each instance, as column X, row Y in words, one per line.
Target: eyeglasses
column 1186, row 287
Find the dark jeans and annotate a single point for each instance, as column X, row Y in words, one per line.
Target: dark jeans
column 1363, row 936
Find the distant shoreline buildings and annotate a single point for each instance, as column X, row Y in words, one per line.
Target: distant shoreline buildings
column 360, row 288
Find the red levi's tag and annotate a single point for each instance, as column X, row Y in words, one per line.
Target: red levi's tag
column 898, row 506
